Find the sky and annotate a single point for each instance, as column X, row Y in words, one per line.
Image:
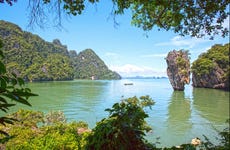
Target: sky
column 126, row 49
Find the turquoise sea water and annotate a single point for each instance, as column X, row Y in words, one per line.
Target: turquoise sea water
column 176, row 117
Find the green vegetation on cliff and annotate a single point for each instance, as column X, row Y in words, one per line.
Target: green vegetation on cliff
column 88, row 65
column 33, row 59
column 178, row 69
column 211, row 69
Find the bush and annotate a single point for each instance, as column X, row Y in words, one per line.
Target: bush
column 125, row 127
column 31, row 132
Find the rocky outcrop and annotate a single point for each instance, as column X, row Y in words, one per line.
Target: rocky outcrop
column 178, row 69
column 211, row 69
column 213, row 79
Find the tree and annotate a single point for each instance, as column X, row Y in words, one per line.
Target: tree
column 12, row 91
column 125, row 127
column 10, row 2
column 185, row 17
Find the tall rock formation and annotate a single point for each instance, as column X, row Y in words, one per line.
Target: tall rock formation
column 211, row 69
column 178, row 69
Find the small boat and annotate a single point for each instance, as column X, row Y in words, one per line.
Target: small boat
column 128, row 84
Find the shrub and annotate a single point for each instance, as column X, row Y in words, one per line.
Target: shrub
column 30, row 132
column 125, row 127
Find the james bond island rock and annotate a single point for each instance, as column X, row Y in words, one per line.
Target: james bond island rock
column 211, row 69
column 178, row 69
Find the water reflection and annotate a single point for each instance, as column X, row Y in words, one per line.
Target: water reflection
column 212, row 104
column 77, row 99
column 87, row 103
column 179, row 114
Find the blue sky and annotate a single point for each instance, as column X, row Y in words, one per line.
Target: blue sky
column 124, row 48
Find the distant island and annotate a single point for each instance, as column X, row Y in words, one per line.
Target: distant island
column 142, row 77
column 29, row 56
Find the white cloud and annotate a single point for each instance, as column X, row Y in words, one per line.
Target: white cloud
column 180, row 41
column 154, row 55
column 129, row 70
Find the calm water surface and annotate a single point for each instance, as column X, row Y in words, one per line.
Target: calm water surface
column 176, row 117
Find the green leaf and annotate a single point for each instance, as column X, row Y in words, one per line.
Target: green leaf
column 8, row 120
column 6, row 138
column 17, row 98
column 2, row 68
column 3, row 83
column 7, row 105
column 14, row 75
column 23, row 101
column 4, row 120
column 3, row 132
column 3, row 100
column 1, row 52
column 13, row 81
column 23, row 93
column 20, row 81
column 5, row 78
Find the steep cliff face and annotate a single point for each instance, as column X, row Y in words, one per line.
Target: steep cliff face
column 213, row 79
column 211, row 69
column 178, row 69
column 32, row 58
